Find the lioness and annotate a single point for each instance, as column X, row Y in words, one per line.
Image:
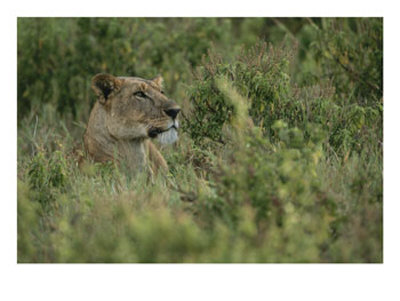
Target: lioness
column 128, row 112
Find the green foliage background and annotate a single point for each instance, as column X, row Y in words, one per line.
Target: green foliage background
column 279, row 157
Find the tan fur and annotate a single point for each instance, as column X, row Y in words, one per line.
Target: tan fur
column 128, row 112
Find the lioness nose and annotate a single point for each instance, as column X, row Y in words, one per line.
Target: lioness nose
column 172, row 112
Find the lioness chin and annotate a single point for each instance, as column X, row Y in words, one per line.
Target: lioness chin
column 128, row 113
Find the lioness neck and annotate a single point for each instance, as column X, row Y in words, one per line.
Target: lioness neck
column 131, row 153
column 103, row 147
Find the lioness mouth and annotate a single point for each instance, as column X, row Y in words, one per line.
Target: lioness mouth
column 153, row 133
column 168, row 136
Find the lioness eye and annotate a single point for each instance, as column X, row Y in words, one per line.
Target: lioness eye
column 140, row 94
column 162, row 92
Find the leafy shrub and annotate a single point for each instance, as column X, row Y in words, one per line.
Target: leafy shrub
column 274, row 180
column 351, row 50
column 260, row 74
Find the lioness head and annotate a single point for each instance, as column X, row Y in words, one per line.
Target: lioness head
column 136, row 108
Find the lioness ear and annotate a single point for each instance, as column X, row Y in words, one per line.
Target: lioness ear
column 158, row 80
column 105, row 84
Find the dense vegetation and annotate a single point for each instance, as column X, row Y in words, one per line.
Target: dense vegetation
column 279, row 157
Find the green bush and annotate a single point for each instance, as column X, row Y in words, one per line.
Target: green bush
column 350, row 52
column 260, row 74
